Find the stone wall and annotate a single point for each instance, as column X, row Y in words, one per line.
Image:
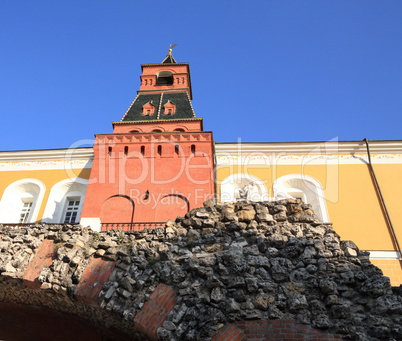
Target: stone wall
column 243, row 271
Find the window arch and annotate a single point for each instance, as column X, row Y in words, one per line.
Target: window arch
column 65, row 201
column 164, row 78
column 304, row 187
column 21, row 201
column 238, row 187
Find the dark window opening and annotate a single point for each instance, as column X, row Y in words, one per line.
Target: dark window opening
column 160, row 150
column 142, row 150
column 165, row 78
column 193, row 149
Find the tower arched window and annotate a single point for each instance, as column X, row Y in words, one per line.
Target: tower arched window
column 142, row 150
column 164, row 78
column 193, row 149
column 159, row 150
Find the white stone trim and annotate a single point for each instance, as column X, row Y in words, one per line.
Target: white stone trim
column 68, row 159
column 228, row 186
column 332, row 146
column 47, row 154
column 291, row 153
column 311, row 187
column 12, row 197
column 385, row 255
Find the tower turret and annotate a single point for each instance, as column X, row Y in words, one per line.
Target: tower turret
column 158, row 162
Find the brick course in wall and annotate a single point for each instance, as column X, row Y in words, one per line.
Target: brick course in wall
column 43, row 257
column 95, row 275
column 155, row 311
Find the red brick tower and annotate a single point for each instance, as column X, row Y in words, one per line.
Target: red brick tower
column 158, row 163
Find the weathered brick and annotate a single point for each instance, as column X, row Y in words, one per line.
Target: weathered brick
column 43, row 258
column 95, row 275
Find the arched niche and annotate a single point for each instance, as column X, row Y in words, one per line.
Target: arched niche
column 240, row 186
column 170, row 206
column 164, row 78
column 303, row 187
column 25, row 192
column 60, row 198
column 117, row 209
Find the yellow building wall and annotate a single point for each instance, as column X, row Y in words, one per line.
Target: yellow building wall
column 352, row 203
column 48, row 177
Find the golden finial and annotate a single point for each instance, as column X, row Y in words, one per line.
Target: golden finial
column 171, row 49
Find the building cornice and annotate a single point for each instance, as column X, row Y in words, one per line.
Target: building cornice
column 158, row 121
column 321, row 147
column 47, row 154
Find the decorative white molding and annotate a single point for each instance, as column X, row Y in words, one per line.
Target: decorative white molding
column 332, row 146
column 45, row 165
column 385, row 255
column 69, row 158
column 311, row 159
column 235, row 182
column 311, row 188
column 59, row 193
column 11, row 201
column 330, row 152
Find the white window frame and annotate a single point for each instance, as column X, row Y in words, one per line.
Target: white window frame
column 26, row 210
column 74, row 209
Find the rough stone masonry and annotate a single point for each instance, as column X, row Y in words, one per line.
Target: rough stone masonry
column 219, row 265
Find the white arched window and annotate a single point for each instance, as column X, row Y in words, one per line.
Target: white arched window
column 303, row 187
column 238, row 187
column 65, row 201
column 21, row 201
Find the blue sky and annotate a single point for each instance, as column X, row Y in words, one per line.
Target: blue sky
column 266, row 70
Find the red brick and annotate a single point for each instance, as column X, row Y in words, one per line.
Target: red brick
column 44, row 257
column 95, row 275
column 155, row 310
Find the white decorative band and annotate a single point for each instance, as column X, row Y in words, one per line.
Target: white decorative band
column 308, row 159
column 45, row 165
column 390, row 255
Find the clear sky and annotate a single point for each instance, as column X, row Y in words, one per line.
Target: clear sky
column 261, row 70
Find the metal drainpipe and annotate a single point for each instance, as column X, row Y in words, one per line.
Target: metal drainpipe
column 382, row 202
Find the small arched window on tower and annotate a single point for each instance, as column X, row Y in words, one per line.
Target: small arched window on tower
column 159, row 150
column 164, row 78
column 176, row 149
column 142, row 150
column 125, row 150
column 169, row 108
column 148, row 109
column 193, row 149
